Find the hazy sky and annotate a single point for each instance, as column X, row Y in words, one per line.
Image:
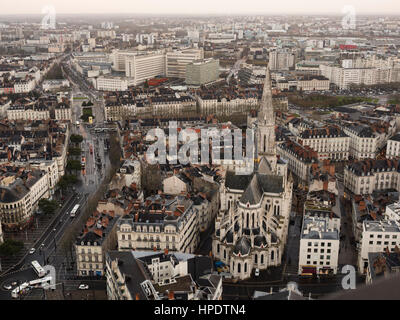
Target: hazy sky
column 202, row 6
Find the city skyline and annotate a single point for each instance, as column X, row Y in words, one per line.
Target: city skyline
column 224, row 7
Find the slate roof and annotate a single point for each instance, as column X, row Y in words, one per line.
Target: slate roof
column 242, row 246
column 259, row 185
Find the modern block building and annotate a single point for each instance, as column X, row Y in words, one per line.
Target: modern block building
column 202, row 72
column 178, row 60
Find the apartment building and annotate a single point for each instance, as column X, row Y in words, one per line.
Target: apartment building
column 97, row 237
column 160, row 223
column 377, row 236
column 142, row 67
column 25, row 85
column 313, row 83
column 20, row 192
column 28, row 112
column 363, row 141
column 63, row 112
column 139, row 275
column 299, row 158
column 344, row 77
column 178, row 60
column 366, row 176
column 319, row 243
column 329, row 142
column 393, row 147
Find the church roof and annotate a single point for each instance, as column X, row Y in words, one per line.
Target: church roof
column 238, row 182
column 260, row 240
column 259, row 185
column 242, row 246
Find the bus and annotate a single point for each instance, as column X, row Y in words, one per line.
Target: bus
column 74, row 211
column 38, row 269
column 41, row 283
column 20, row 289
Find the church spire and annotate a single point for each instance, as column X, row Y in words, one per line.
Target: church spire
column 266, row 114
column 266, row 124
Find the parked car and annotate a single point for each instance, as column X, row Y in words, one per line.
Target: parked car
column 83, row 287
column 32, row 251
column 7, row 287
column 257, row 272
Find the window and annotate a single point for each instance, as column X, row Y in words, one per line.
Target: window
column 321, row 257
column 308, row 256
column 329, row 244
column 371, row 242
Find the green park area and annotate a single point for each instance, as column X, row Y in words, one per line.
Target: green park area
column 323, row 101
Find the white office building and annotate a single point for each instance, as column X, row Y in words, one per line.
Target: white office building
column 319, row 244
column 377, row 236
column 141, row 67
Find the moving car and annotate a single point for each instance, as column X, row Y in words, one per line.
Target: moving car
column 32, row 251
column 257, row 272
column 83, row 287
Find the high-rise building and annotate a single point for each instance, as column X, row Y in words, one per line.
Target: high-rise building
column 202, row 72
column 142, row 67
column 281, row 60
column 178, row 60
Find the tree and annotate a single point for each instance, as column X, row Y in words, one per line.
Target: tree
column 75, row 151
column 11, row 247
column 76, row 138
column 48, row 206
column 73, row 165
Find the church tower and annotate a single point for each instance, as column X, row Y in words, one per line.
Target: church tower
column 266, row 145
